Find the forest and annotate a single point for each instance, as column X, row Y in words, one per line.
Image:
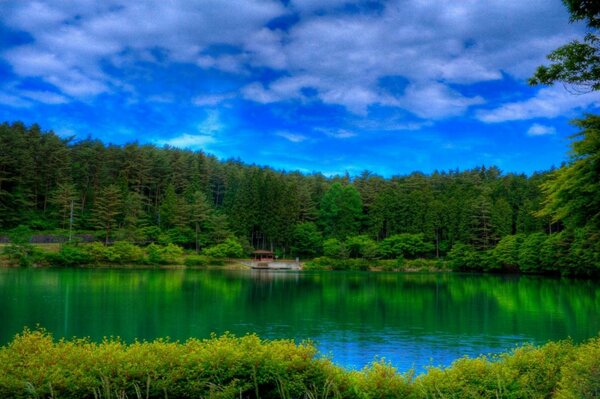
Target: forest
column 481, row 219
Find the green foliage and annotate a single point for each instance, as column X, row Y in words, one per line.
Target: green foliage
column 463, row 257
column 405, row 245
column 20, row 251
column 107, row 209
column 576, row 63
column 362, row 247
column 69, row 255
column 573, row 191
column 196, row 260
column 341, row 211
column 164, row 255
column 34, row 365
column 307, row 240
column 230, row 248
column 507, row 251
column 143, row 194
column 149, row 234
column 529, row 253
column 333, row 248
column 553, row 251
column 581, row 378
column 327, row 263
column 20, row 235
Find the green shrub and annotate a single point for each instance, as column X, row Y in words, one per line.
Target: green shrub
column 463, row 257
column 124, row 252
column 230, row 248
column 168, row 255
column 196, row 260
column 34, row 365
column 581, row 378
column 529, row 252
column 69, row 255
column 506, row 251
column 335, row 249
column 20, row 251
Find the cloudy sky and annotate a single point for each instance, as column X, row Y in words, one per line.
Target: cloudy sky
column 330, row 86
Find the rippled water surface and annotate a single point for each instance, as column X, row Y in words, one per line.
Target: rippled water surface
column 413, row 320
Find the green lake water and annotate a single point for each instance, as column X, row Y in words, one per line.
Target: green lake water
column 413, row 320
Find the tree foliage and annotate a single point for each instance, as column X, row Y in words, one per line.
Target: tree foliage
column 577, row 63
column 144, row 194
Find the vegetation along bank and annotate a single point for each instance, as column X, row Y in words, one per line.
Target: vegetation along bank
column 163, row 199
column 35, row 365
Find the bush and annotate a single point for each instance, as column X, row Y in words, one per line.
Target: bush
column 581, row 379
column 69, row 255
column 34, row 365
column 20, row 251
column 124, row 252
column 196, row 260
column 506, row 251
column 405, row 245
column 334, row 248
column 529, row 252
column 463, row 257
column 230, row 248
column 168, row 255
column 362, row 247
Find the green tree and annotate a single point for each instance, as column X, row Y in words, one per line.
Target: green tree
column 362, row 247
column 506, row 253
column 64, row 198
column 405, row 245
column 576, row 63
column 334, row 248
column 107, row 209
column 341, row 210
column 307, row 240
column 199, row 213
column 529, row 252
column 20, row 250
column 483, row 236
column 573, row 191
column 464, row 257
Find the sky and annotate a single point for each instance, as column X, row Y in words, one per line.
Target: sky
column 330, row 86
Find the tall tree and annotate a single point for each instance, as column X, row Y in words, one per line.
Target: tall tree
column 199, row 213
column 573, row 191
column 341, row 210
column 107, row 209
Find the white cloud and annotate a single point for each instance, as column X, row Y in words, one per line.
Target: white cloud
column 435, row 46
column 340, row 134
column 540, row 130
column 549, row 102
column 205, row 134
column 45, row 97
column 14, row 101
column 293, row 137
column 211, row 124
column 434, row 101
column 73, row 42
column 212, row 99
column 186, row 140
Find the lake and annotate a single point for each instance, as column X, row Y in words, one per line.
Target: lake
column 412, row 320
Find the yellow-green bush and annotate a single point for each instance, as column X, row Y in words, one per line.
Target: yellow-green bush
column 34, row 365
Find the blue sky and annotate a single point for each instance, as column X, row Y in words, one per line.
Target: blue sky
column 332, row 86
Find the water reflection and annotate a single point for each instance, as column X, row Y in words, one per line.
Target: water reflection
column 413, row 320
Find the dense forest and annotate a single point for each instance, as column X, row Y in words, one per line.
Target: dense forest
column 479, row 219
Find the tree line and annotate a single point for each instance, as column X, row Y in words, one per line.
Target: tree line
column 145, row 194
